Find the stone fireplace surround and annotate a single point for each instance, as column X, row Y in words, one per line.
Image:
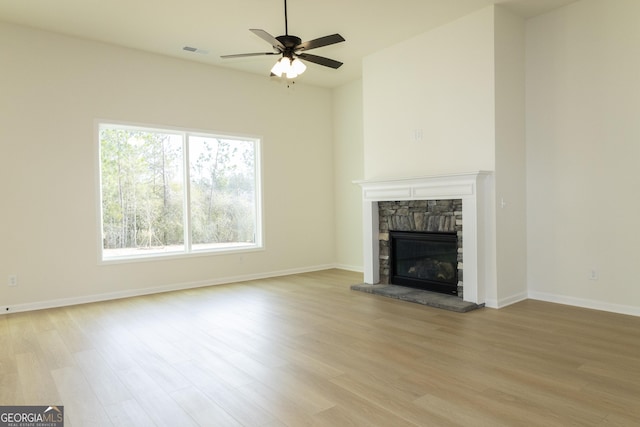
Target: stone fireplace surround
column 475, row 191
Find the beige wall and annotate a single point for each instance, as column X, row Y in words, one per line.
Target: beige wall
column 52, row 90
column 440, row 83
column 510, row 170
column 583, row 149
column 348, row 167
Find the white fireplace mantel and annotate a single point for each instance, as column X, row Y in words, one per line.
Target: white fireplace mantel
column 474, row 188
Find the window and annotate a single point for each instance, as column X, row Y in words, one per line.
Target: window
column 172, row 192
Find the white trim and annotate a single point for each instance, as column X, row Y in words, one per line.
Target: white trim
column 164, row 256
column 64, row 302
column 585, row 303
column 354, row 268
column 491, row 303
column 504, row 302
column 472, row 188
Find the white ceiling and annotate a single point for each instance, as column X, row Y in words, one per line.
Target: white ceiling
column 222, row 27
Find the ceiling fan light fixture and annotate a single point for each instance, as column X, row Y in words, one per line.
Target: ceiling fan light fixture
column 287, row 66
column 298, row 66
column 278, row 68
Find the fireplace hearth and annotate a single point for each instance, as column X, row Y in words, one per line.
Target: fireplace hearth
column 424, row 260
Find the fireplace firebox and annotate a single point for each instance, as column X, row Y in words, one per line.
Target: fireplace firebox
column 424, row 260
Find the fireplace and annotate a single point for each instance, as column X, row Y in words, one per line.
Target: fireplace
column 476, row 245
column 424, row 260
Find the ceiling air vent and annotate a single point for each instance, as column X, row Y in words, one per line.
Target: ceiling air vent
column 195, row 50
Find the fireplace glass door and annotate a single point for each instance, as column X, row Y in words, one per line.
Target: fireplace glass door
column 425, row 260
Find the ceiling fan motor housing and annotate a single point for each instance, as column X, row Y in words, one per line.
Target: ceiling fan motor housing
column 289, row 42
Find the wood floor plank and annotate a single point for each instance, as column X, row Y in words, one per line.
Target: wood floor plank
column 10, row 389
column 463, row 412
column 164, row 410
column 244, row 410
column 36, row 383
column 72, row 336
column 128, row 413
column 274, row 400
column 81, row 405
column 384, row 394
column 7, row 355
column 302, row 387
column 23, row 335
column 305, row 350
column 54, row 350
column 203, row 410
column 102, row 379
column 346, row 416
column 357, row 411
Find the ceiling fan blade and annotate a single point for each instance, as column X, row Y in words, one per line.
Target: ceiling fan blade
column 242, row 55
column 320, row 42
column 320, row 60
column 268, row 38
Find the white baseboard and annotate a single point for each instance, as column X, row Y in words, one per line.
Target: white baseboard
column 354, row 268
column 64, row 302
column 504, row 302
column 586, row 303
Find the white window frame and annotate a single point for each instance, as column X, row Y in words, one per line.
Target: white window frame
column 188, row 251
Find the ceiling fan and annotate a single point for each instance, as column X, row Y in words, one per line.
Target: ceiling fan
column 293, row 50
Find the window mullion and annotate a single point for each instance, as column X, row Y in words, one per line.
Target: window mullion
column 187, row 194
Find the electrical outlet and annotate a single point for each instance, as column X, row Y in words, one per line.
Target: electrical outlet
column 593, row 275
column 13, row 280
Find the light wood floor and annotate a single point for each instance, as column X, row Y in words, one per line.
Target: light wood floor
column 305, row 350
